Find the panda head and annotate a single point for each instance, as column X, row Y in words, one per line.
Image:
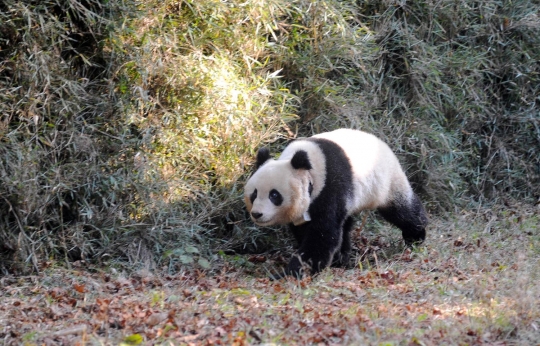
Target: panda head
column 278, row 192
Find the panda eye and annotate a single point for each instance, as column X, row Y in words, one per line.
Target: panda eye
column 275, row 197
column 253, row 196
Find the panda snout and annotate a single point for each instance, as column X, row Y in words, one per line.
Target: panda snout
column 256, row 215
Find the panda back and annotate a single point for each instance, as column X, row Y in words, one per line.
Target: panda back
column 377, row 177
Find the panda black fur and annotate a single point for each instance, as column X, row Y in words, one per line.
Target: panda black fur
column 319, row 183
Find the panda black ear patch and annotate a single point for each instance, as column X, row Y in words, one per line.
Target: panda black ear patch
column 300, row 160
column 263, row 155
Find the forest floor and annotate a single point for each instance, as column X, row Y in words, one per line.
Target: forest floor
column 473, row 282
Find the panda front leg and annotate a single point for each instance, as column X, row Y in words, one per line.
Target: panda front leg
column 321, row 240
column 341, row 258
column 298, row 233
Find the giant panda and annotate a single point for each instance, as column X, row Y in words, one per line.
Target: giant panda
column 319, row 183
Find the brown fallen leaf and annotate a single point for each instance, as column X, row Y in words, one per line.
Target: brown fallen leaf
column 461, row 312
column 156, row 318
column 79, row 288
column 257, row 259
column 406, row 256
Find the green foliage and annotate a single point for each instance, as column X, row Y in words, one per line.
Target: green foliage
column 464, row 77
column 134, row 339
column 61, row 180
column 452, row 87
column 127, row 127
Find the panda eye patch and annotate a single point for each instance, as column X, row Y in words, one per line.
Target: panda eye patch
column 253, row 196
column 275, row 197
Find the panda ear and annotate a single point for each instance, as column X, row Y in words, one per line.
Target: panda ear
column 300, row 160
column 263, row 155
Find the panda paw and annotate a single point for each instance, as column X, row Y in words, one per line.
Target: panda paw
column 295, row 268
column 414, row 239
column 341, row 260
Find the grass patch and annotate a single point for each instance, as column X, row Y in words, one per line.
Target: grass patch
column 458, row 288
column 128, row 128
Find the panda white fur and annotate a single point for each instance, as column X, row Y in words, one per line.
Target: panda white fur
column 319, row 183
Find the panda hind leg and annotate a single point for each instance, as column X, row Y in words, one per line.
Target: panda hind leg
column 410, row 217
column 341, row 258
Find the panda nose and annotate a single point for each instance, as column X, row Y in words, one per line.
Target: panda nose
column 256, row 215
